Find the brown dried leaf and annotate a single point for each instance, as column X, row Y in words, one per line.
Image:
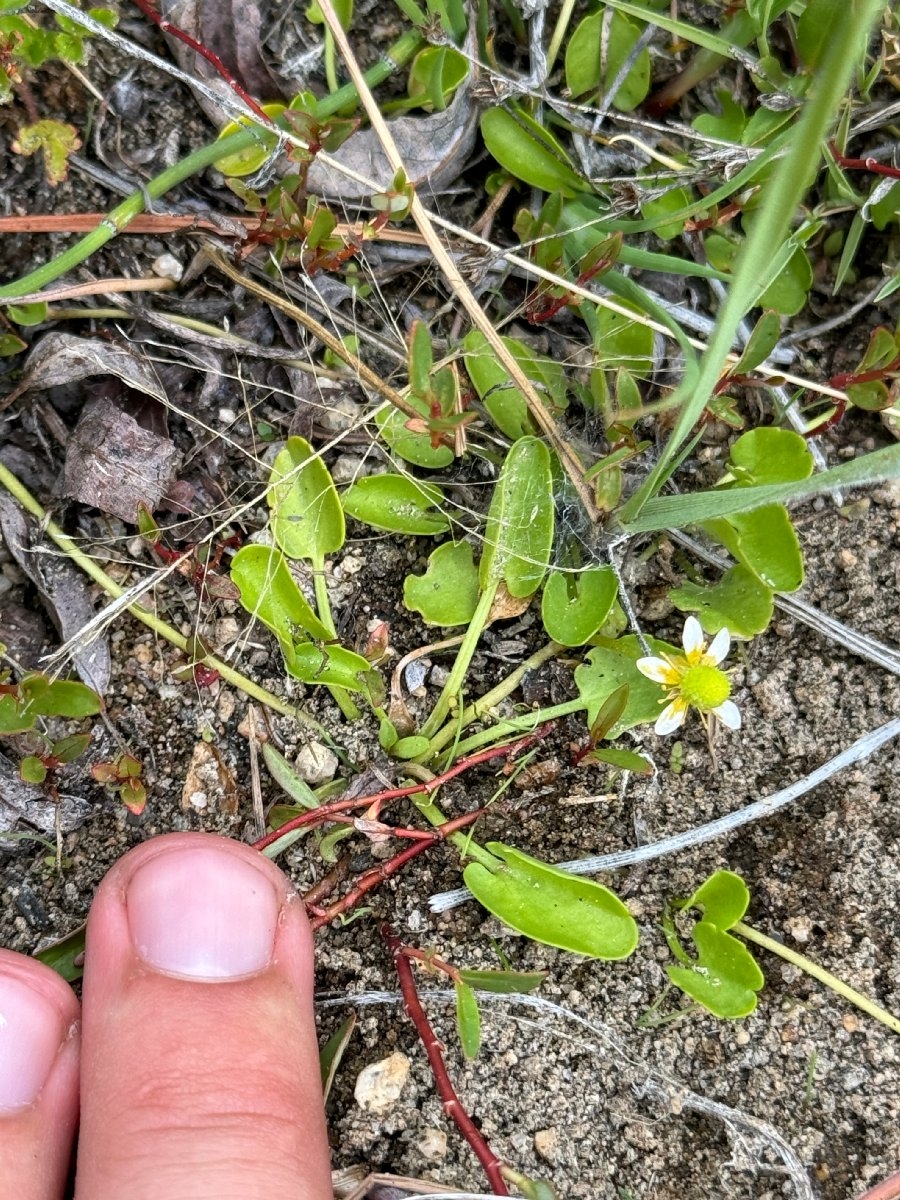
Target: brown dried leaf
column 115, row 464
column 210, row 783
column 63, row 590
column 506, row 606
column 231, row 29
column 434, row 150
column 60, row 358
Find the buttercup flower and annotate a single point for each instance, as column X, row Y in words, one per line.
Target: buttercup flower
column 693, row 680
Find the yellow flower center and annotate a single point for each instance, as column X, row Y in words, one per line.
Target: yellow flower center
column 704, row 687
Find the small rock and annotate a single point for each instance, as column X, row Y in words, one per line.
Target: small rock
column 316, row 764
column 432, row 1145
column 546, row 1143
column 167, row 266
column 379, row 1085
column 350, row 467
column 339, row 415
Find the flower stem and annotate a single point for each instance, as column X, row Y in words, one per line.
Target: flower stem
column 817, row 972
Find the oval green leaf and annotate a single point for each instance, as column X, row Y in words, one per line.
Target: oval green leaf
column 415, row 448
column 505, row 403
column 726, row 977
column 723, row 897
column 447, row 594
column 269, row 592
column 529, row 152
column 307, row 517
column 468, row 1020
column 739, row 602
column 518, row 537
column 396, row 504
column 553, row 907
column 575, row 605
column 595, row 56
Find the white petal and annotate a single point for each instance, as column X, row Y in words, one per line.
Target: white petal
column 692, row 638
column 729, row 714
column 670, row 718
column 719, row 648
column 656, row 669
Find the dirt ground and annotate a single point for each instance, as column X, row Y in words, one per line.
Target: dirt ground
column 800, row 1099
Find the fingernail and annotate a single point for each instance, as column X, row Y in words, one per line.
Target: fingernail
column 202, row 912
column 31, row 1033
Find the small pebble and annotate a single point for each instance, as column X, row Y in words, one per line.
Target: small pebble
column 167, row 266
column 315, row 763
column 378, row 1086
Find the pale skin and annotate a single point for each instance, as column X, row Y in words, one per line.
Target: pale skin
column 191, row 1068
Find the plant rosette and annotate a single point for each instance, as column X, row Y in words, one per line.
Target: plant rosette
column 693, row 680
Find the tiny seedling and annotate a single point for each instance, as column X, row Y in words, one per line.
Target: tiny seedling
column 723, row 976
column 123, row 776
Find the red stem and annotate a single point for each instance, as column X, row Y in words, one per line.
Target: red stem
column 326, row 811
column 167, row 27
column 451, row 1102
column 371, row 879
column 863, row 164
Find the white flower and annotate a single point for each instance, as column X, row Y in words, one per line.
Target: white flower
column 693, row 680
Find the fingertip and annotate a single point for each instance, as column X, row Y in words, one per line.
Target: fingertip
column 39, row 1056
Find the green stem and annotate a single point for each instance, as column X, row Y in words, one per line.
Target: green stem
column 517, row 725
column 464, row 656
column 121, row 216
column 489, row 700
column 559, row 32
column 428, row 807
column 96, row 572
column 342, row 698
column 817, row 972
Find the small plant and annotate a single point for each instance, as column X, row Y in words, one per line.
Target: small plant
column 123, row 776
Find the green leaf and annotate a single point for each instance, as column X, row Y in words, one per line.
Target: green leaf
column 415, row 448
column 307, row 517
column 333, row 666
column 518, row 537
column 505, row 982
column 658, row 208
column 814, row 28
column 765, row 542
column 10, row 344
column 760, row 344
column 447, row 594
column 739, row 602
column 575, row 605
column 723, row 899
column 67, row 749
column 333, row 1051
column 269, row 592
column 729, row 127
column 396, row 504
column 525, row 149
column 551, row 906
column 468, row 1020
column 32, row 770
column 622, row 760
column 505, row 404
column 66, row 956
column 421, row 359
column 64, row 698
column 56, row 139
column 595, row 56
column 622, row 341
column 607, row 668
column 675, row 512
column 726, row 977
column 287, row 778
column 409, row 747
column 28, row 314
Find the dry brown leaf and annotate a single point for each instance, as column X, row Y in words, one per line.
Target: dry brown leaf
column 506, row 606
column 63, row 590
column 434, row 150
column 231, row 29
column 60, row 358
column 115, row 464
column 210, row 783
